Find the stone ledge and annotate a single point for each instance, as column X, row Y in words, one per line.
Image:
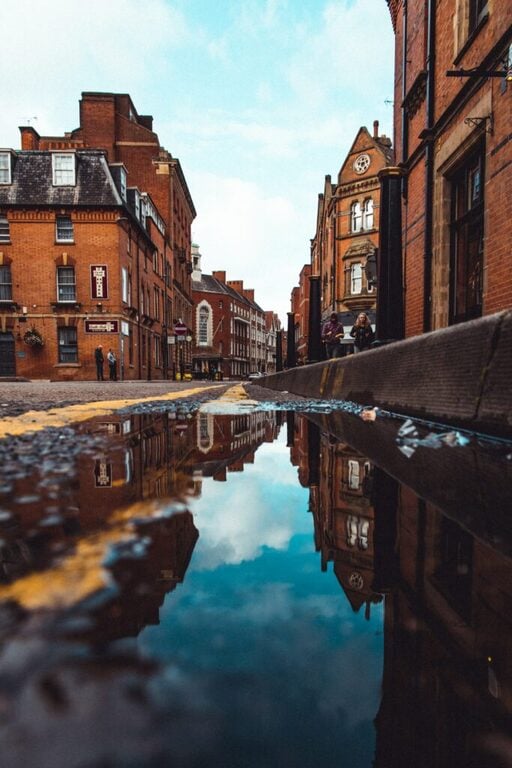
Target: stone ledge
column 459, row 375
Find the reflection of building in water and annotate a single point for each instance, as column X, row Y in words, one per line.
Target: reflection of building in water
column 142, row 581
column 448, row 648
column 344, row 520
column 227, row 443
column 142, row 457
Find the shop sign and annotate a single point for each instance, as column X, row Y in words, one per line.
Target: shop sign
column 102, row 326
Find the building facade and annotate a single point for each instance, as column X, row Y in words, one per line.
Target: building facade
column 83, row 262
column 453, row 110
column 347, row 229
column 110, row 122
column 229, row 330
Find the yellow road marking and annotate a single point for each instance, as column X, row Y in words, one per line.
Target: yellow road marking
column 81, row 573
column 35, row 421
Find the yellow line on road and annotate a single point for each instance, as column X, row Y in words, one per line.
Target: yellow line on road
column 35, row 421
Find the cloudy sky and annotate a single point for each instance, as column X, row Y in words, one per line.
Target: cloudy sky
column 259, row 99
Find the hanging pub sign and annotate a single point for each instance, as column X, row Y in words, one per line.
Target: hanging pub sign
column 99, row 284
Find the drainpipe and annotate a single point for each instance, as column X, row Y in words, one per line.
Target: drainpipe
column 390, row 299
column 279, row 351
column 405, row 122
column 334, row 258
column 428, row 135
column 139, row 341
column 291, row 358
column 314, row 321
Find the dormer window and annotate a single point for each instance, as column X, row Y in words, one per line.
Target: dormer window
column 63, row 168
column 5, row 167
column 136, row 204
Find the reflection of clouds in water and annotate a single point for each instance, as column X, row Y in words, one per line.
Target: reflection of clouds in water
column 263, row 506
column 294, row 663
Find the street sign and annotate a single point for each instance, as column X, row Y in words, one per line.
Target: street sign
column 180, row 329
column 102, row 326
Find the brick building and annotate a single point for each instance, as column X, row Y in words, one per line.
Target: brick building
column 272, row 328
column 300, row 308
column 229, row 327
column 110, row 121
column 347, row 228
column 83, row 261
column 453, row 145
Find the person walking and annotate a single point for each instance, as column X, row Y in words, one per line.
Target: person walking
column 332, row 334
column 362, row 333
column 112, row 365
column 98, row 357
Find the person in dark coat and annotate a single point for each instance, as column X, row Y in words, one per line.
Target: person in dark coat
column 332, row 334
column 362, row 333
column 98, row 357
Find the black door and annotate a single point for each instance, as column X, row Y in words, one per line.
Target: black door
column 7, row 355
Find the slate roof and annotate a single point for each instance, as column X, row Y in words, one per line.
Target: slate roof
column 210, row 284
column 32, row 182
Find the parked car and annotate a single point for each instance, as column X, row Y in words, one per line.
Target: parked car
column 256, row 375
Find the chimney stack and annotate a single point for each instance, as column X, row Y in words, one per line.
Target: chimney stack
column 375, row 129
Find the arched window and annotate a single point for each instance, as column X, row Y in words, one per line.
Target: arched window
column 356, row 217
column 356, row 278
column 204, row 316
column 368, row 214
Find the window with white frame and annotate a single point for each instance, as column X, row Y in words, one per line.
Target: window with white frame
column 156, row 303
column 122, row 183
column 353, row 474
column 67, row 344
column 124, row 285
column 356, row 278
column 5, row 235
column 356, row 217
column 204, row 319
column 5, row 282
column 368, row 214
column 64, row 229
column 63, row 168
column 66, row 286
column 158, row 350
column 5, row 167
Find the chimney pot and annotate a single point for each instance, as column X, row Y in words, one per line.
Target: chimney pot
column 375, row 129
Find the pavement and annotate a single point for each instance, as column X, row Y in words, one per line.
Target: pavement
column 18, row 398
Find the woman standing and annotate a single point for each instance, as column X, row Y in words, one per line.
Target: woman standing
column 362, row 333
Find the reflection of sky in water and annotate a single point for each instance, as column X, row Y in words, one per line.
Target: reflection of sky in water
column 265, row 653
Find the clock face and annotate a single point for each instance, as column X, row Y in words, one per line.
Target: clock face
column 361, row 163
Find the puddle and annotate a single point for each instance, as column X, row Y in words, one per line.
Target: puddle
column 254, row 588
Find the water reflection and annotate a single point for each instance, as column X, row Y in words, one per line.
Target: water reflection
column 374, row 629
column 447, row 696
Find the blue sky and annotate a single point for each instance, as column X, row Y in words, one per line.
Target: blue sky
column 259, row 99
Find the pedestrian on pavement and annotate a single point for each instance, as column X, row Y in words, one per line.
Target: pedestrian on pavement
column 332, row 334
column 112, row 365
column 98, row 357
column 362, row 333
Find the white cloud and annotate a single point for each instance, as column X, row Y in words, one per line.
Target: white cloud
column 236, row 520
column 251, row 235
column 70, row 47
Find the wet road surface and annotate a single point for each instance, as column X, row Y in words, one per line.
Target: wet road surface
column 226, row 579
